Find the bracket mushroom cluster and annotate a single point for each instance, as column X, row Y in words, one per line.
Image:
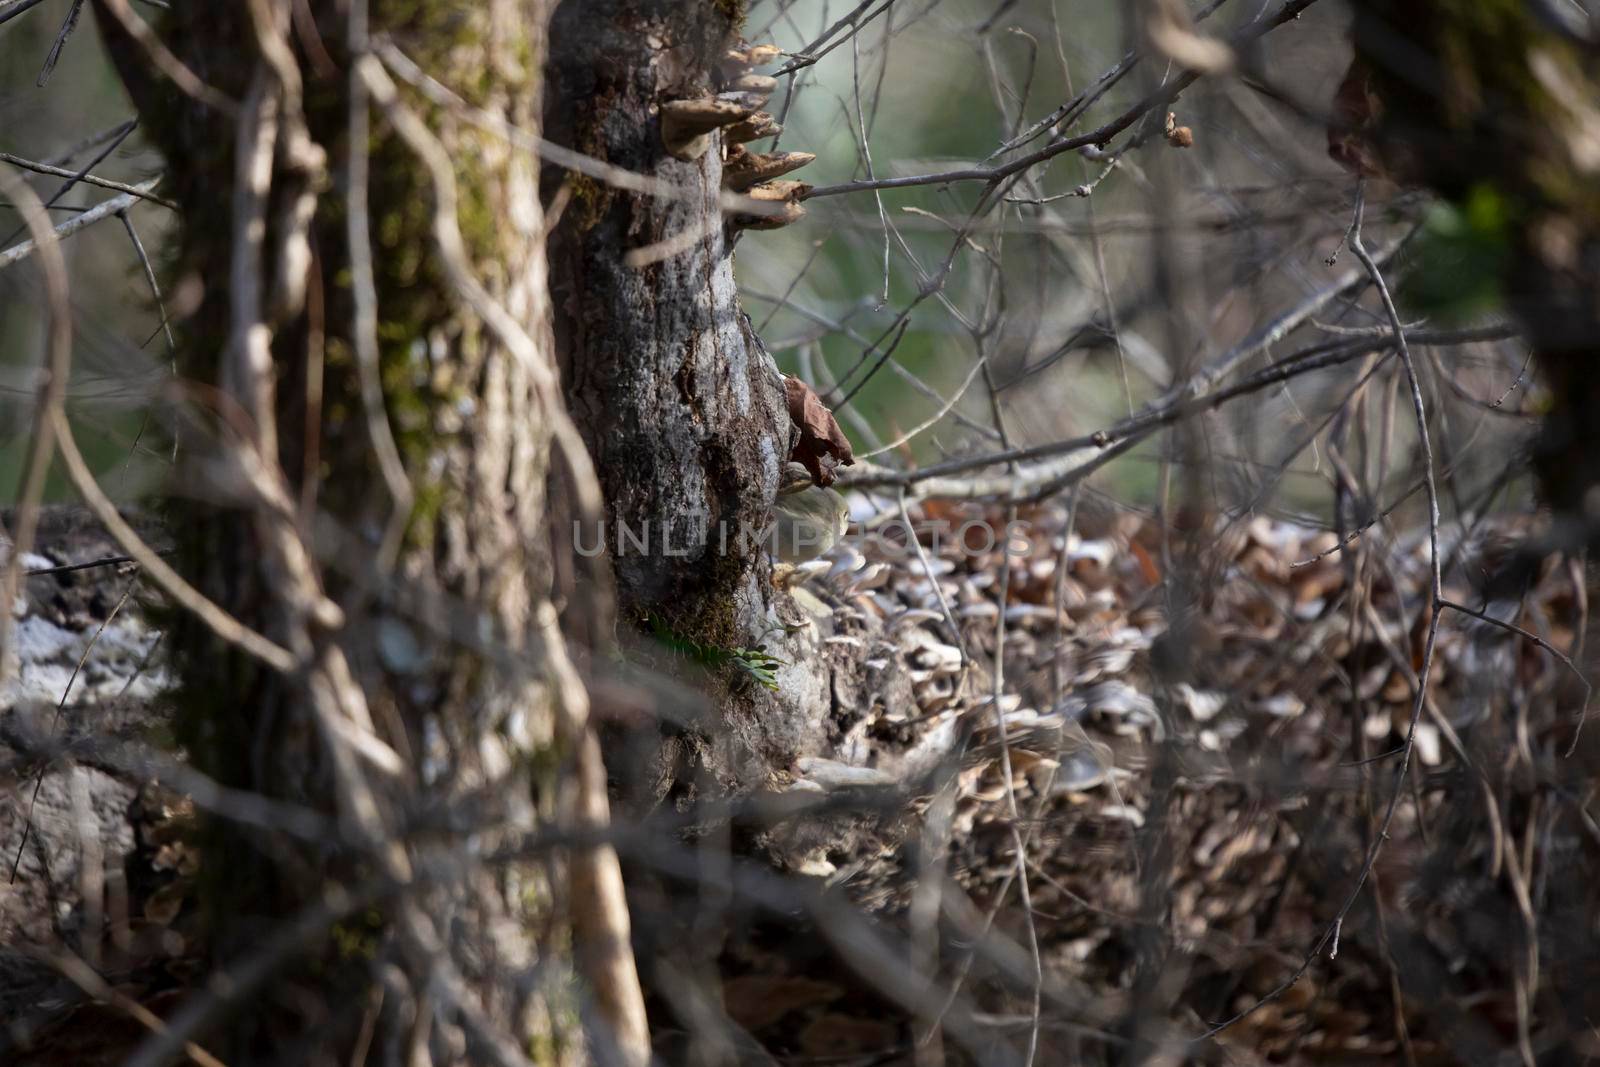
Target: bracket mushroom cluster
column 688, row 126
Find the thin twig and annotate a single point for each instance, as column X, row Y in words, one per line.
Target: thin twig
column 100, row 212
column 55, row 720
column 51, row 396
column 1529, row 635
column 122, row 134
column 1097, row 137
column 187, row 596
column 1435, row 604
column 187, row 81
column 364, row 327
column 140, row 191
column 16, row 7
column 80, row 974
column 68, row 25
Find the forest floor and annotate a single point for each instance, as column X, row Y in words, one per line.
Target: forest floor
column 1194, row 740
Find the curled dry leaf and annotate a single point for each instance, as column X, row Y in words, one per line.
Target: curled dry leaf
column 1178, row 136
column 822, row 445
column 1355, row 112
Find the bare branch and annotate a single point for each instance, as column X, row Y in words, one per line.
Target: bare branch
column 52, row 395
column 99, row 213
column 187, row 81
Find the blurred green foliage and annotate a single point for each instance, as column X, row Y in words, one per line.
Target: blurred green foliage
column 1459, row 258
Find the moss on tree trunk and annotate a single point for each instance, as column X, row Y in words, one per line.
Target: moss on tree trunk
column 440, row 645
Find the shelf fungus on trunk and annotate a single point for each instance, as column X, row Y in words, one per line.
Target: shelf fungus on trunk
column 754, row 128
column 761, row 85
column 736, row 61
column 687, row 125
column 742, row 168
column 784, row 196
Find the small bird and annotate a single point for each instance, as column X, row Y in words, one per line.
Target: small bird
column 809, row 519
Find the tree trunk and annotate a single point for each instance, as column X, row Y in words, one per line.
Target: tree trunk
column 1491, row 103
column 429, row 688
column 681, row 405
column 678, row 400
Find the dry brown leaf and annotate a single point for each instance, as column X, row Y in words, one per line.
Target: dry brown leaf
column 844, row 1035
column 755, row 1001
column 822, row 446
column 1356, row 110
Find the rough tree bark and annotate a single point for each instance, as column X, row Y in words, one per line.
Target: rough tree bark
column 441, row 640
column 435, row 634
column 445, row 649
column 681, row 405
column 679, row 401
